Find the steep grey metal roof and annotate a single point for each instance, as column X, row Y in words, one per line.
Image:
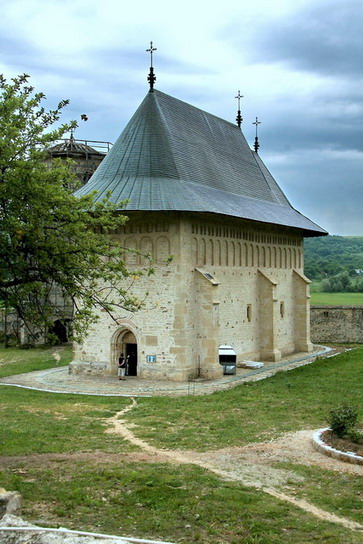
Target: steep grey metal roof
column 173, row 156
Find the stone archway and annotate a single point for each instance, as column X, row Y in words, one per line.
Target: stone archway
column 125, row 342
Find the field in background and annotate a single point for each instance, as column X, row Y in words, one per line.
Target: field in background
column 336, row 299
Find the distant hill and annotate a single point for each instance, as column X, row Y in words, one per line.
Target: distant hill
column 329, row 255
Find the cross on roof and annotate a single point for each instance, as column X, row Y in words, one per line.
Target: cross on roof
column 151, row 50
column 239, row 96
column 256, row 144
column 257, row 122
column 151, row 77
column 239, row 117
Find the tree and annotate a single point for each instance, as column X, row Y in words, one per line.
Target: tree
column 328, row 256
column 50, row 240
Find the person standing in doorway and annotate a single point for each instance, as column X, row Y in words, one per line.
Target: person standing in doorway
column 121, row 367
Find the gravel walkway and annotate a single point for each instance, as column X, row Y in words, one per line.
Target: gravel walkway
column 57, row 380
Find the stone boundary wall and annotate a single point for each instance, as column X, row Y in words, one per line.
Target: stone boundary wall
column 338, row 324
column 10, row 322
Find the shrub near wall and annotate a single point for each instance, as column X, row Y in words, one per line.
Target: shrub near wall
column 340, row 324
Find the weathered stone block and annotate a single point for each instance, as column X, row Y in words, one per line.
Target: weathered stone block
column 10, row 503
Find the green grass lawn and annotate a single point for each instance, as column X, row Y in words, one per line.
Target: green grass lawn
column 341, row 492
column 18, row 361
column 163, row 502
column 54, row 450
column 336, row 299
column 255, row 411
column 38, row 422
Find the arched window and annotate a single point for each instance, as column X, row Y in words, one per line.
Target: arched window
column 162, row 249
column 210, row 252
column 146, row 248
column 131, row 255
column 194, row 251
column 202, row 257
column 218, row 260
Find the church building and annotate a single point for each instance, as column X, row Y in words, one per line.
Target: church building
column 198, row 193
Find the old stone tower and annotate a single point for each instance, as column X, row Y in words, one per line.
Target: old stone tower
column 197, row 192
column 86, row 158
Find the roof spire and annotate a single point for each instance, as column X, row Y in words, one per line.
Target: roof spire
column 151, row 77
column 256, row 144
column 71, row 137
column 239, row 117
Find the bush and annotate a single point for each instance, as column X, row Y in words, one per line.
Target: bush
column 343, row 419
column 340, row 283
column 355, row 436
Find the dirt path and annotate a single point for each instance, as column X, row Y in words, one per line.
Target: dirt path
column 250, row 464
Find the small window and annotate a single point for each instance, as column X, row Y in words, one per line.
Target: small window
column 249, row 312
column 282, row 309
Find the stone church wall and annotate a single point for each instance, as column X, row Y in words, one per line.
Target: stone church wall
column 159, row 328
column 233, row 255
column 223, row 281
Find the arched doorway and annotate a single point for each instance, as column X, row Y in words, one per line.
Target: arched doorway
column 127, row 344
column 60, row 329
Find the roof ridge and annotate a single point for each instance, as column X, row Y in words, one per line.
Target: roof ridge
column 166, row 128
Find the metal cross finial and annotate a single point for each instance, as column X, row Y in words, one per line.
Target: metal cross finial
column 239, row 117
column 257, row 122
column 151, row 77
column 256, row 144
column 151, row 50
column 239, row 96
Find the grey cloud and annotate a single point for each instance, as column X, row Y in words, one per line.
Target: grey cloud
column 18, row 53
column 129, row 59
column 294, row 135
column 326, row 38
column 328, row 191
column 321, row 121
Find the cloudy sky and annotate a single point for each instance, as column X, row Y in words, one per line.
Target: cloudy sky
column 297, row 63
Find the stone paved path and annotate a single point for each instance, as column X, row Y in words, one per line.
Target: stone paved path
column 58, row 380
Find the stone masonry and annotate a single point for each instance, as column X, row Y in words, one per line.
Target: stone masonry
column 228, row 283
column 337, row 324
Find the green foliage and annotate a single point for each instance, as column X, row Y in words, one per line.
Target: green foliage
column 51, row 242
column 342, row 283
column 355, row 436
column 329, row 256
column 343, row 419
